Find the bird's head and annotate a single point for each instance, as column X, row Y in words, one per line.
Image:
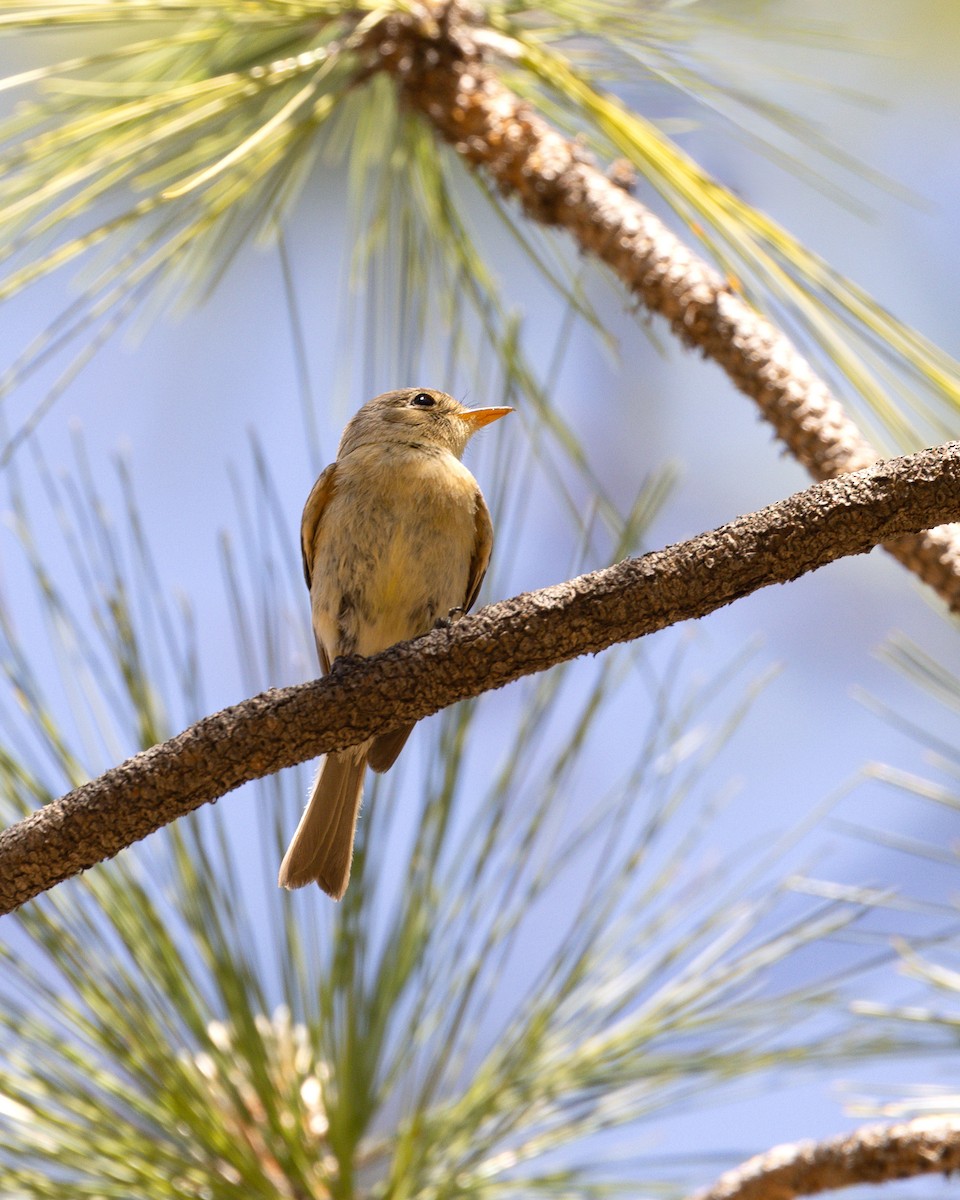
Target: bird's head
column 416, row 416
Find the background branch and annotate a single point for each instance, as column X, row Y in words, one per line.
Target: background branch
column 496, row 646
column 873, row 1154
column 442, row 73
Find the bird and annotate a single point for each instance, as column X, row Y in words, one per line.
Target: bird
column 396, row 538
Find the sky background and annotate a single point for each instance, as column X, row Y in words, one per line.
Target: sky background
column 183, row 398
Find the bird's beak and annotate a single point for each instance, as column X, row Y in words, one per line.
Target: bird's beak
column 476, row 418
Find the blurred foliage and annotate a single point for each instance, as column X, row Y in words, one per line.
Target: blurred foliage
column 929, row 1012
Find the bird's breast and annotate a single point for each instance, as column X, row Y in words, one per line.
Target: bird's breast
column 394, row 549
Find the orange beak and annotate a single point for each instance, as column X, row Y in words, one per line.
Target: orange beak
column 476, row 418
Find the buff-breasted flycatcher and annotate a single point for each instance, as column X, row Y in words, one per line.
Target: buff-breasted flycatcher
column 395, row 537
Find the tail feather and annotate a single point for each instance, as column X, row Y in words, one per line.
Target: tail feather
column 322, row 847
column 386, row 747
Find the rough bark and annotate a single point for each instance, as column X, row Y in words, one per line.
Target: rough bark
column 441, row 70
column 498, row 645
column 874, row 1154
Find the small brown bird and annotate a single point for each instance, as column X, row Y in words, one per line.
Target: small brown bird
column 395, row 537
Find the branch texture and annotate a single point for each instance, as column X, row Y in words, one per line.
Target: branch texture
column 874, row 1154
column 442, row 73
column 478, row 653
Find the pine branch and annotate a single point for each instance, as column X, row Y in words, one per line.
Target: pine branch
column 478, row 653
column 442, row 72
column 873, row 1154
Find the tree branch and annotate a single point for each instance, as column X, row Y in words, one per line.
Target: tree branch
column 478, row 653
column 441, row 71
column 873, row 1154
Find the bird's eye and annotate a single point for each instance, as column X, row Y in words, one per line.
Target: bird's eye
column 423, row 400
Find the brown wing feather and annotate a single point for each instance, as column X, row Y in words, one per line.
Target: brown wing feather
column 313, row 511
column 482, row 545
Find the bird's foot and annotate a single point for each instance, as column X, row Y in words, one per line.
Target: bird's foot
column 343, row 662
column 453, row 615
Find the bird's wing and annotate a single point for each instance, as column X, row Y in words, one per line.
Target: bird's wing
column 313, row 511
column 482, row 545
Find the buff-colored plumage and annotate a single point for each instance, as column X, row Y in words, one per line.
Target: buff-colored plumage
column 395, row 536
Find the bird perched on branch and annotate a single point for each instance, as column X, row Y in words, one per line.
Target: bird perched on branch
column 396, row 536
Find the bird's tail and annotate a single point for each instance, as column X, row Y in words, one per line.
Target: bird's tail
column 322, row 847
